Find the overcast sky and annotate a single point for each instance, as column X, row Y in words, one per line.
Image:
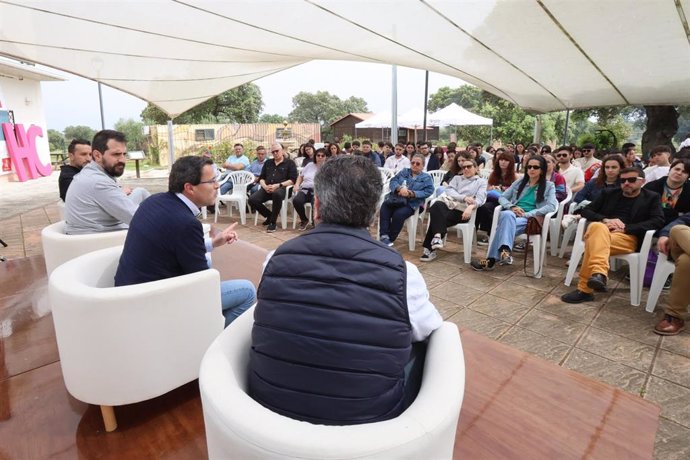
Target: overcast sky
column 75, row 102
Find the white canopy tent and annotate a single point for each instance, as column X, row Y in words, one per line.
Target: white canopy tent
column 378, row 120
column 458, row 116
column 414, row 119
column 176, row 54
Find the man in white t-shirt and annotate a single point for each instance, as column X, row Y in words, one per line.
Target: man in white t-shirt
column 574, row 177
column 236, row 162
column 660, row 155
column 398, row 161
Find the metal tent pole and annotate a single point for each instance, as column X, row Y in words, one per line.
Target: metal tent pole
column 394, row 104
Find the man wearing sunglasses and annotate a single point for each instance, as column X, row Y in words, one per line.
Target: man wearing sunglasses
column 277, row 174
column 588, row 163
column 574, row 177
column 619, row 219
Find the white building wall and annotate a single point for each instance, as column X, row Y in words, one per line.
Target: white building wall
column 24, row 98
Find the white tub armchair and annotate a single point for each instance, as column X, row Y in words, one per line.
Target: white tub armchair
column 58, row 247
column 122, row 345
column 237, row 427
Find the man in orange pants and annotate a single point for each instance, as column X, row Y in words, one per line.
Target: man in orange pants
column 619, row 219
column 674, row 241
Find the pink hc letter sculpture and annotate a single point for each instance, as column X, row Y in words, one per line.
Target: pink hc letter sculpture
column 22, row 150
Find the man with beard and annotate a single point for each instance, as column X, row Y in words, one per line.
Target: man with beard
column 95, row 202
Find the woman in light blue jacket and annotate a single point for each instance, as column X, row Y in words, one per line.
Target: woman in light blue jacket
column 528, row 197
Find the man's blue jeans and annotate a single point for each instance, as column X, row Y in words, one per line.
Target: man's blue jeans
column 225, row 188
column 509, row 226
column 236, row 296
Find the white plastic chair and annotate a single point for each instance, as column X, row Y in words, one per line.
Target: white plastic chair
column 307, row 209
column 61, row 209
column 555, row 224
column 412, row 224
column 387, row 174
column 569, row 232
column 58, row 247
column 237, row 427
column 466, row 231
column 283, row 209
column 663, row 269
column 538, row 242
column 238, row 197
column 636, row 260
column 437, row 176
column 122, row 345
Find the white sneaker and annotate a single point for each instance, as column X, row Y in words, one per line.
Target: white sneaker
column 569, row 219
column 428, row 256
column 505, row 258
column 436, row 242
column 483, row 241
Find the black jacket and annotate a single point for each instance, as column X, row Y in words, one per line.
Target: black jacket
column 646, row 213
column 682, row 205
column 67, row 173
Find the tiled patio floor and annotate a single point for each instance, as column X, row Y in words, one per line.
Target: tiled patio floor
column 608, row 339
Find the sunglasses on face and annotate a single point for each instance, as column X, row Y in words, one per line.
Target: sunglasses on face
column 561, row 155
column 275, row 151
column 416, row 163
column 587, row 150
column 467, row 166
column 533, row 167
column 629, row 180
column 320, row 155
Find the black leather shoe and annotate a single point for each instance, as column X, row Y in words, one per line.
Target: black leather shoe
column 597, row 282
column 577, row 296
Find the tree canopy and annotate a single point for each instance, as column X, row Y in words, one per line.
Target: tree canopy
column 78, row 132
column 134, row 131
column 56, row 141
column 238, row 105
column 271, row 118
column 323, row 107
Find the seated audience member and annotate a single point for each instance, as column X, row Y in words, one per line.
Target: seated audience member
column 464, row 194
column 674, row 241
column 356, row 147
column 450, row 158
column 660, row 156
column 236, row 162
column 386, row 151
column 410, row 149
column 95, row 202
column 630, row 155
column 619, row 219
column 574, row 177
column 588, row 163
column 556, row 178
column 307, row 155
column 305, row 188
column 454, row 169
column 79, row 154
column 398, row 161
column 530, row 196
column 367, row 152
column 408, row 191
column 431, row 162
column 255, row 168
column 474, row 153
column 278, row 173
column 674, row 190
column 347, row 148
column 440, row 156
column 334, row 150
column 332, row 347
column 612, row 166
column 501, row 178
column 165, row 238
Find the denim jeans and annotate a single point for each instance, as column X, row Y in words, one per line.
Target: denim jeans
column 225, row 188
column 392, row 219
column 236, row 296
column 509, row 226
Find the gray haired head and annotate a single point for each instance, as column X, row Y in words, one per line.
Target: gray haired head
column 418, row 156
column 348, row 189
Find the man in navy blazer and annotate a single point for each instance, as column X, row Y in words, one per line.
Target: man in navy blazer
column 165, row 238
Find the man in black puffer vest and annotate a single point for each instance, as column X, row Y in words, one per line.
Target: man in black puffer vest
column 338, row 312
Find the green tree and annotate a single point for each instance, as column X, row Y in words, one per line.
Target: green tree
column 78, row 132
column 238, row 105
column 56, row 140
column 134, row 131
column 323, row 107
column 271, row 118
